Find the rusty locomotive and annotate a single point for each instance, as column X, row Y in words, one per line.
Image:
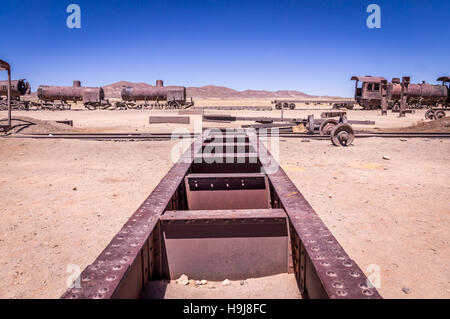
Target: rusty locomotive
column 368, row 93
column 18, row 88
column 158, row 97
column 61, row 97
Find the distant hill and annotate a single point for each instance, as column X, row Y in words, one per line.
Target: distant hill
column 213, row 91
column 113, row 90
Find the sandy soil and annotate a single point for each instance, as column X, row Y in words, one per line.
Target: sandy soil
column 61, row 202
column 392, row 213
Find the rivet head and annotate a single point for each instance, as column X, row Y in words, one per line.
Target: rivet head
column 98, row 296
column 331, row 273
column 354, row 273
column 347, row 263
column 363, row 285
column 111, row 278
column 319, row 257
column 341, row 292
column 367, row 292
column 103, row 290
column 117, row 267
column 337, row 285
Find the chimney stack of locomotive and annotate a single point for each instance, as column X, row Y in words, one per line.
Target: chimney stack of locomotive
column 159, row 83
column 76, row 83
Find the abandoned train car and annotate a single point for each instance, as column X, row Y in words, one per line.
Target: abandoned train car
column 423, row 95
column 159, row 96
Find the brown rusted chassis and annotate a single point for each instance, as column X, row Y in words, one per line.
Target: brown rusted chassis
column 225, row 209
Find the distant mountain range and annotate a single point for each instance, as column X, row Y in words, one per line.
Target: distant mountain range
column 213, row 91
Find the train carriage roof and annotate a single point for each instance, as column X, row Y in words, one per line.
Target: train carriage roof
column 444, row 79
column 368, row 78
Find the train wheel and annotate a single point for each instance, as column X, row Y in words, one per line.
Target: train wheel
column 327, row 126
column 292, row 106
column 285, row 105
column 429, row 114
column 342, row 135
column 174, row 105
column 278, row 106
column 438, row 115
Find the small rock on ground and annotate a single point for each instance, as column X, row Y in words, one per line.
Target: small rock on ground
column 183, row 280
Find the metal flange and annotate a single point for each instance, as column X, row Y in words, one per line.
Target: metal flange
column 429, row 114
column 327, row 126
column 342, row 135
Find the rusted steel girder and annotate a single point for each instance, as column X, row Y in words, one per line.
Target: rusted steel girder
column 147, row 246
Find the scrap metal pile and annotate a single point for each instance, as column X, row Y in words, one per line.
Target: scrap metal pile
column 333, row 124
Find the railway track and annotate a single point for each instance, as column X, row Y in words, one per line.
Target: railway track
column 232, row 215
column 168, row 136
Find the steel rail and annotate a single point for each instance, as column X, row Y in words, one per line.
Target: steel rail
column 168, row 136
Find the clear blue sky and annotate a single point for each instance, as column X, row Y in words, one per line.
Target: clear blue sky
column 311, row 46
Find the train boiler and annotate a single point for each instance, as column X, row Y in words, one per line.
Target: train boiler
column 59, row 96
column 158, row 97
column 419, row 95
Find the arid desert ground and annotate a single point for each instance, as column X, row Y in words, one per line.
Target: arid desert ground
column 62, row 201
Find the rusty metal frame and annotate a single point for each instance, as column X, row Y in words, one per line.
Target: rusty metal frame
column 384, row 102
column 326, row 270
column 322, row 267
column 404, row 96
column 4, row 66
column 169, row 119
